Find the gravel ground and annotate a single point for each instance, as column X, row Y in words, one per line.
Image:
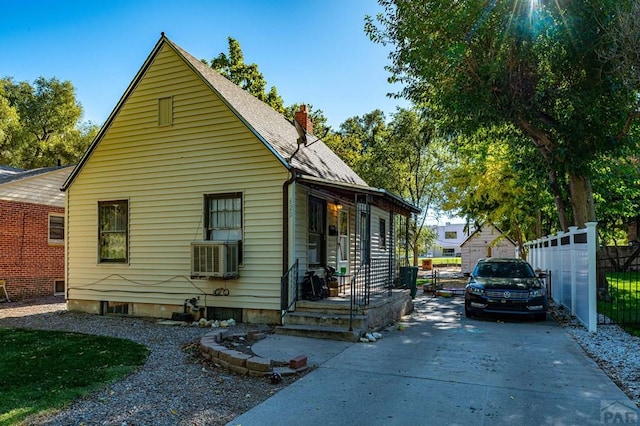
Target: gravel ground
column 173, row 389
column 170, row 389
column 614, row 350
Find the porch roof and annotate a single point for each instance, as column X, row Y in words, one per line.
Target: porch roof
column 391, row 201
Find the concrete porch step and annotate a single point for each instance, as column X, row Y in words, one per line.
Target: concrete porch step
column 320, row 332
column 321, row 319
column 326, row 306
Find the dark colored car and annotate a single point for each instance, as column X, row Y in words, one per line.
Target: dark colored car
column 507, row 286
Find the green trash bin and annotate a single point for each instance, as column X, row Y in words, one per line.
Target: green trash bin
column 409, row 278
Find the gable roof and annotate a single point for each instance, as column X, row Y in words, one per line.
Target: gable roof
column 277, row 133
column 479, row 229
column 37, row 186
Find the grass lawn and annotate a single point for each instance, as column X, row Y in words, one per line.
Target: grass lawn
column 42, row 371
column 623, row 304
column 443, row 261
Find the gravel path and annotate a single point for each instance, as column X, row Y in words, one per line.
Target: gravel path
column 170, row 389
column 614, row 350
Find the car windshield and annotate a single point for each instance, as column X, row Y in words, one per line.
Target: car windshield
column 504, row 270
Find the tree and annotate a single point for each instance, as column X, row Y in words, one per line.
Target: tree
column 622, row 50
column 9, row 123
column 357, row 143
column 414, row 158
column 246, row 76
column 478, row 64
column 48, row 130
column 320, row 126
column 404, row 156
column 495, row 180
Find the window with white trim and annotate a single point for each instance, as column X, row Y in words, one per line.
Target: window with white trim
column 223, row 218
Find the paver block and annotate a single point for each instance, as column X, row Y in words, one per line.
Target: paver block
column 239, row 359
column 259, row 364
column 298, row 362
column 243, row 371
column 227, row 354
column 255, row 335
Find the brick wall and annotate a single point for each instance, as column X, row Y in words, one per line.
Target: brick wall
column 28, row 262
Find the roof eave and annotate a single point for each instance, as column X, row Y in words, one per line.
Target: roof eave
column 363, row 189
column 115, row 111
column 235, row 112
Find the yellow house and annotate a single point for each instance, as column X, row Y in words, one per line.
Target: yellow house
column 197, row 195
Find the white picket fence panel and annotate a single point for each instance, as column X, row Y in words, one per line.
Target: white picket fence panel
column 570, row 258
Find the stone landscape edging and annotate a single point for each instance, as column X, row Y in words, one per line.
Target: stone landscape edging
column 211, row 348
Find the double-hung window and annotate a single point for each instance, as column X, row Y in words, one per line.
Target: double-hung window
column 56, row 228
column 223, row 218
column 113, row 232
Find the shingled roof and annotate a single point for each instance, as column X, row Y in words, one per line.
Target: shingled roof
column 37, row 186
column 279, row 135
column 313, row 158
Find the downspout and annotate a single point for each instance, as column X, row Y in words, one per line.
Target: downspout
column 66, row 242
column 285, row 220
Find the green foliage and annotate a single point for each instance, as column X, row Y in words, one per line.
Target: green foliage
column 40, row 124
column 320, row 126
column 246, row 76
column 623, row 299
column 497, row 179
column 617, row 193
column 363, row 146
column 478, row 64
column 42, row 371
column 405, row 157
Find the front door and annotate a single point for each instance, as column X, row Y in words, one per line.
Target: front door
column 343, row 242
column 316, row 247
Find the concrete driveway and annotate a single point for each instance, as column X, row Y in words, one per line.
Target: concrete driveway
column 444, row 369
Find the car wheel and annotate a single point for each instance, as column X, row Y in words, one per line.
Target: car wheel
column 540, row 317
column 468, row 313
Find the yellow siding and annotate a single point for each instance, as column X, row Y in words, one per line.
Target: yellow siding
column 302, row 204
column 164, row 172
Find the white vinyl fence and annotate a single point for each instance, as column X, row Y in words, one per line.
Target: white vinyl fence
column 570, row 258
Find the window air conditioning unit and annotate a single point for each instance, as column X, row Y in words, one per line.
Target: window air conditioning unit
column 214, row 259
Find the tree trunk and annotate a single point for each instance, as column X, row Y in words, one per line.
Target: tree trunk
column 546, row 146
column 557, row 198
column 581, row 200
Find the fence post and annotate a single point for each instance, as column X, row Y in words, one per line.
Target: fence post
column 572, row 267
column 558, row 264
column 593, row 282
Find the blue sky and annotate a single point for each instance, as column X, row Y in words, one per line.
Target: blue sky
column 313, row 51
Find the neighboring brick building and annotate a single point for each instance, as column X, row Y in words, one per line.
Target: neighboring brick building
column 32, row 231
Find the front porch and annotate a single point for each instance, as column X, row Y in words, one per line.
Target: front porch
column 333, row 317
column 368, row 301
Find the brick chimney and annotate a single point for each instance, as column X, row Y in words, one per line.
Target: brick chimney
column 302, row 117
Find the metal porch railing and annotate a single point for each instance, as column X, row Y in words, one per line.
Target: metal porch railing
column 370, row 279
column 289, row 289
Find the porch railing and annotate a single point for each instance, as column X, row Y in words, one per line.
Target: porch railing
column 370, row 279
column 289, row 289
